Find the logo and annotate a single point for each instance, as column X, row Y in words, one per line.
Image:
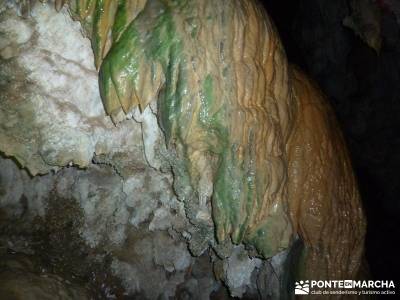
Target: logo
column 302, row 287
column 348, row 284
column 344, row 287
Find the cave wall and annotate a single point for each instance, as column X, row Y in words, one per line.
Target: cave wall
column 84, row 161
column 363, row 87
column 86, row 203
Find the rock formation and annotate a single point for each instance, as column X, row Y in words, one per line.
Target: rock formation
column 218, row 143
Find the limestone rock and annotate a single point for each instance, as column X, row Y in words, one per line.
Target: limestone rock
column 19, row 281
column 238, row 269
column 51, row 113
column 239, row 148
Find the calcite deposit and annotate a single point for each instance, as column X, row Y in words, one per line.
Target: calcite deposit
column 186, row 147
column 235, row 119
column 49, row 80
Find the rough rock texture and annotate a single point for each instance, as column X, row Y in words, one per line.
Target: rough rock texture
column 246, row 132
column 133, row 229
column 238, row 268
column 51, row 117
column 51, row 113
column 255, row 153
column 363, row 88
column 20, row 280
column 108, row 216
column 180, row 53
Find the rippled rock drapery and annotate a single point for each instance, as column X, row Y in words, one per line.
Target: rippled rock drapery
column 255, row 155
column 213, row 113
column 363, row 87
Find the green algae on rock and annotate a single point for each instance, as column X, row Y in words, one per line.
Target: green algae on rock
column 228, row 109
column 245, row 131
column 212, row 108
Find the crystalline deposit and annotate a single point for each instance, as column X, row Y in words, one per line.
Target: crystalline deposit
column 51, row 114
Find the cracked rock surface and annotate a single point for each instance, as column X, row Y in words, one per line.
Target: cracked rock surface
column 87, row 208
column 51, row 114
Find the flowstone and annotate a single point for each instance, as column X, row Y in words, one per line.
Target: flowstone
column 111, row 199
column 171, row 158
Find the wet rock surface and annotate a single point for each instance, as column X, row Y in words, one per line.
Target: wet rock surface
column 88, row 209
column 79, row 233
column 363, row 88
column 20, row 280
column 96, row 206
